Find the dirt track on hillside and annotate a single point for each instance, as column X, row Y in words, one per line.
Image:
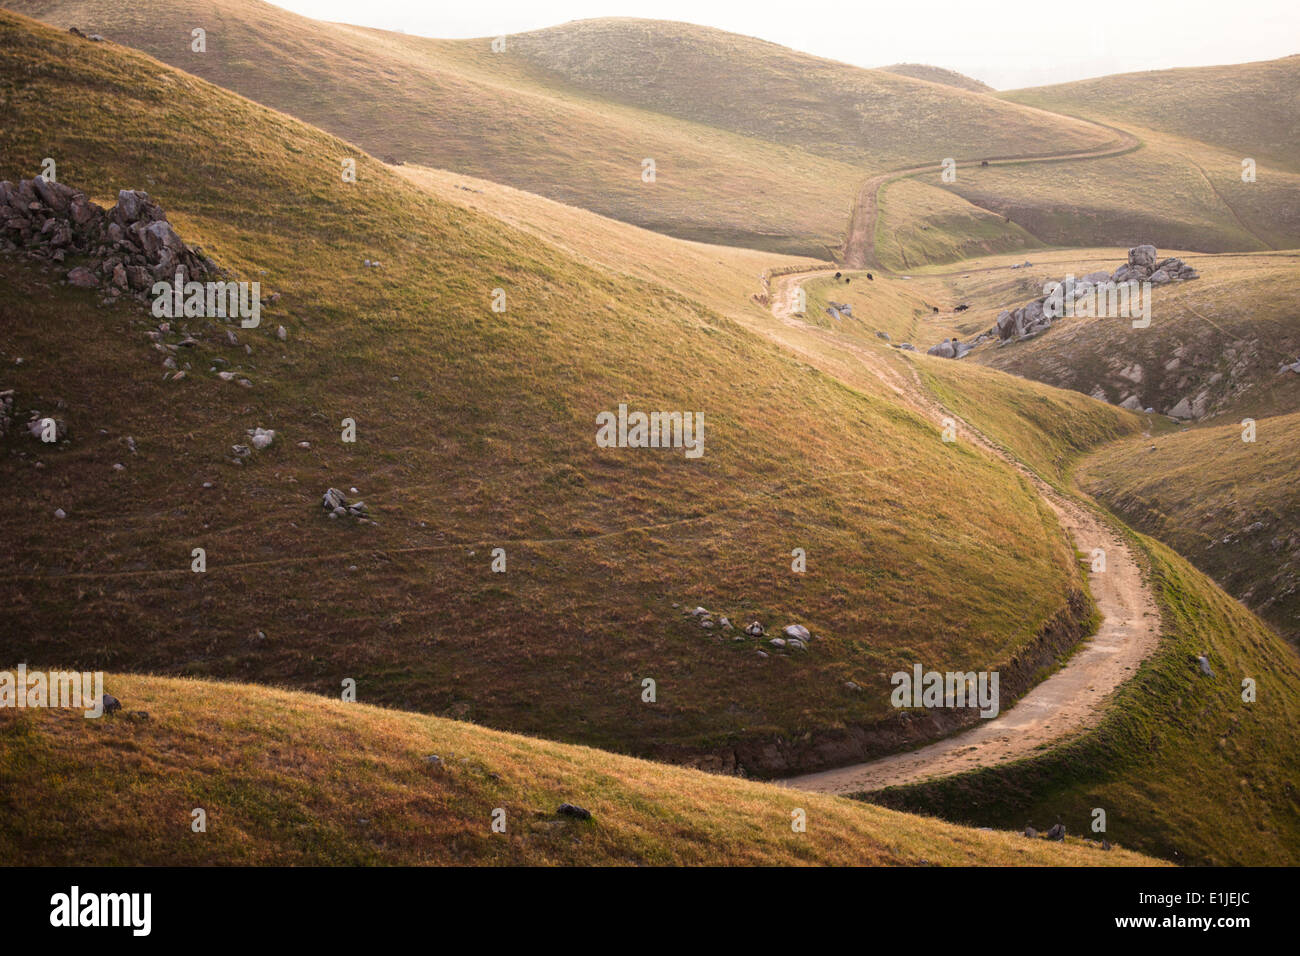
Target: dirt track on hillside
column 859, row 244
column 1070, row 700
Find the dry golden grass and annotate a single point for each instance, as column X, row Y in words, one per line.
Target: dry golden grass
column 755, row 144
column 293, row 779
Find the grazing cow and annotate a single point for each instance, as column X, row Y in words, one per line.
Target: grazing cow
column 837, row 275
column 847, row 280
column 936, row 309
column 984, row 163
column 870, row 277
column 961, row 308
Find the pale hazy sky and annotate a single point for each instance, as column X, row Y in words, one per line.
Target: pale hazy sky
column 1006, row 43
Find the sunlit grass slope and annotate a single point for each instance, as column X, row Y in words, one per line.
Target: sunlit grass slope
column 1248, row 109
column 922, row 224
column 290, row 778
column 754, row 144
column 476, row 430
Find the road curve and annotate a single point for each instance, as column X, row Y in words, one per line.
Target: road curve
column 859, row 245
column 1069, row 701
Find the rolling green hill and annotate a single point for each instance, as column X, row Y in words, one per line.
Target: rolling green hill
column 476, row 443
column 476, row 431
column 1182, row 188
column 754, row 144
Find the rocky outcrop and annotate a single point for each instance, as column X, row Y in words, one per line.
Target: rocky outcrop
column 122, row 250
column 953, row 348
column 1144, row 265
column 1035, row 317
column 337, row 506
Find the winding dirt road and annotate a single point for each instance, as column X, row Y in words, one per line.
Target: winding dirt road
column 860, row 246
column 1071, row 699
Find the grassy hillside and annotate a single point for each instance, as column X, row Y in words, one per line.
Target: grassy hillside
column 457, row 105
column 1217, row 341
column 1174, row 193
column 938, row 74
column 725, row 278
column 1181, row 189
column 289, row 778
column 754, row 144
column 475, row 431
column 1046, row 428
column 1183, row 767
column 1247, row 109
column 921, row 224
column 1230, row 506
column 874, row 119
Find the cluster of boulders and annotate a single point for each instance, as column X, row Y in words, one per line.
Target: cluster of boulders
column 125, row 250
column 1032, row 318
column 337, row 505
column 793, row 636
column 838, row 310
column 955, row 349
column 1057, row 833
column 1144, row 265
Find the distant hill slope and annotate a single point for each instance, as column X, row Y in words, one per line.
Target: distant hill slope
column 874, row 119
column 1229, row 505
column 1182, row 188
column 754, row 144
column 1247, row 109
column 294, row 779
column 1215, row 343
column 938, row 74
column 475, row 431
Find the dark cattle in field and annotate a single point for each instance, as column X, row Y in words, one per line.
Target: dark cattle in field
column 961, row 308
column 837, row 275
column 870, row 277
